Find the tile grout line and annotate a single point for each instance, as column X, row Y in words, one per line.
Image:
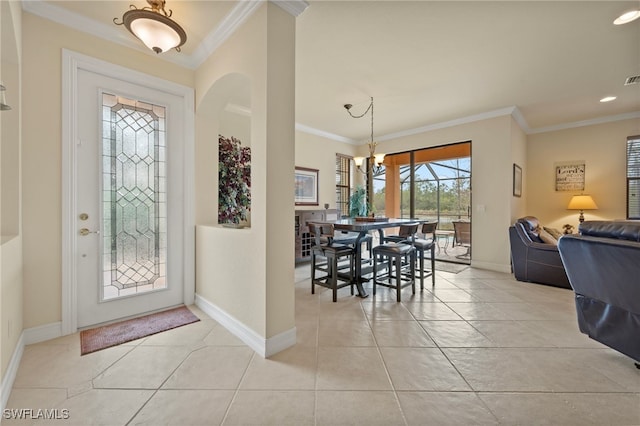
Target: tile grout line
column 155, row 391
column 384, row 364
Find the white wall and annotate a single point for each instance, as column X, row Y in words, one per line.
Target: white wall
column 11, row 258
column 248, row 273
column 603, row 148
column 491, row 181
column 519, row 157
column 317, row 152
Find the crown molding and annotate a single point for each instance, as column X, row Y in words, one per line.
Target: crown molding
column 229, row 24
column 294, row 7
column 312, row 131
column 519, row 118
column 451, row 123
column 110, row 33
column 584, row 123
column 513, row 111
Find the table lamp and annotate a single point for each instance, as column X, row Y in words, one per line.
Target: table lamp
column 582, row 202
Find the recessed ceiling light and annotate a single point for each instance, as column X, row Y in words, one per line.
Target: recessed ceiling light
column 627, row 17
column 608, row 99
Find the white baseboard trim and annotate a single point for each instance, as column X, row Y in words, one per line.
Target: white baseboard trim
column 27, row 337
column 42, row 333
column 10, row 375
column 497, row 267
column 263, row 347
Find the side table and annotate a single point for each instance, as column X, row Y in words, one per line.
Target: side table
column 443, row 235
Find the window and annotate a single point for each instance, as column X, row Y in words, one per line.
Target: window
column 343, row 184
column 633, row 177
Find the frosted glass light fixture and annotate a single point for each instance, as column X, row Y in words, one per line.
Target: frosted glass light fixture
column 154, row 26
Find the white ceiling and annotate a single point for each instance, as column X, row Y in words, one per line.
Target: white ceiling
column 426, row 62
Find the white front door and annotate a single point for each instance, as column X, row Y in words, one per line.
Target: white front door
column 129, row 198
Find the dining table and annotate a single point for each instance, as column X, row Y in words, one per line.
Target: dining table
column 362, row 228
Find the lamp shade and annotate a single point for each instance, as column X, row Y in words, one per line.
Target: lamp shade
column 582, row 202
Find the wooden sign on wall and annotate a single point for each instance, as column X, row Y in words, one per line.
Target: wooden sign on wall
column 570, row 176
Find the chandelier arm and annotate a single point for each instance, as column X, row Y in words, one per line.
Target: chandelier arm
column 364, row 113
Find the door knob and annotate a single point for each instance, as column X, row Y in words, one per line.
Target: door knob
column 85, row 232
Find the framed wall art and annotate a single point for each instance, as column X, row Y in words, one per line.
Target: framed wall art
column 517, row 180
column 570, row 176
column 306, row 187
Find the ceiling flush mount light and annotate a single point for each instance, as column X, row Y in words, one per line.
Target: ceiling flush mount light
column 582, row 202
column 627, row 17
column 154, row 26
column 608, row 99
column 374, row 160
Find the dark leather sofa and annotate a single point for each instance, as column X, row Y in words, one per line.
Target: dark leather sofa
column 603, row 265
column 533, row 260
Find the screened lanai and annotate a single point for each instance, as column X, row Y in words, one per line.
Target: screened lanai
column 432, row 184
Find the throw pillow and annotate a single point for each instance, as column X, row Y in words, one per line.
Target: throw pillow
column 547, row 237
column 556, row 233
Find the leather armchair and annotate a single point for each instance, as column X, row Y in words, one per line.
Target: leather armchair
column 531, row 259
column 603, row 265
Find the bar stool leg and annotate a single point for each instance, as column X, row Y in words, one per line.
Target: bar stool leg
column 421, row 254
column 334, row 276
column 375, row 273
column 313, row 273
column 433, row 266
column 413, row 273
column 398, row 263
column 352, row 271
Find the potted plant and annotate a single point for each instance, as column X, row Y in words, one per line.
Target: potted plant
column 234, row 181
column 358, row 202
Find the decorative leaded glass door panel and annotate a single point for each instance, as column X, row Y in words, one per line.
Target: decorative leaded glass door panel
column 133, row 197
column 125, row 200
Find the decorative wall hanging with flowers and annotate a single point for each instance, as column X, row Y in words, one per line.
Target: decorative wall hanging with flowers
column 234, row 180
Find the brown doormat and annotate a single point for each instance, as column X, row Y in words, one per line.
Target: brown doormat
column 99, row 338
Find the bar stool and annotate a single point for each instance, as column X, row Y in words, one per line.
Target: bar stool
column 350, row 238
column 398, row 256
column 333, row 253
column 422, row 245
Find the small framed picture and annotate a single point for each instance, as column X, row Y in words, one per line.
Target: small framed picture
column 517, row 180
column 306, row 187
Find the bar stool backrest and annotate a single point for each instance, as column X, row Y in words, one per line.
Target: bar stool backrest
column 429, row 228
column 323, row 233
column 408, row 231
column 315, row 229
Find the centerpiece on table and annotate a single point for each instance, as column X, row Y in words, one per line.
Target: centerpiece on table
column 359, row 210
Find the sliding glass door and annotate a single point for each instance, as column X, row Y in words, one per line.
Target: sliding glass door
column 432, row 184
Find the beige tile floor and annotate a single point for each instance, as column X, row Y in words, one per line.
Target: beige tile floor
column 478, row 349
